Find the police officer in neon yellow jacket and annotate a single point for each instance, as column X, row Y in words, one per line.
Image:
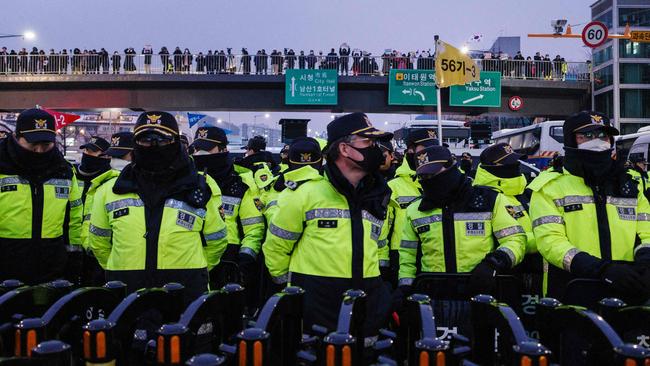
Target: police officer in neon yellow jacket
column 159, row 221
column 590, row 218
column 458, row 227
column 245, row 222
column 120, row 152
column 40, row 205
column 326, row 232
column 302, row 152
column 499, row 169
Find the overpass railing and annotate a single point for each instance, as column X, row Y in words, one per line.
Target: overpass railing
column 264, row 64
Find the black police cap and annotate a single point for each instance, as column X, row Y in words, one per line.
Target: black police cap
column 159, row 122
column 500, row 154
column 304, row 151
column 121, row 144
column 432, row 159
column 96, row 144
column 36, row 125
column 586, row 121
column 354, row 124
column 422, row 136
column 206, row 138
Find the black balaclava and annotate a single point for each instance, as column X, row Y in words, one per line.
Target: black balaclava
column 210, row 163
column 466, row 165
column 443, row 188
column 504, row 171
column 94, row 164
column 157, row 159
column 595, row 167
column 33, row 164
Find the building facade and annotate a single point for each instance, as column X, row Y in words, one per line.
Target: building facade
column 621, row 68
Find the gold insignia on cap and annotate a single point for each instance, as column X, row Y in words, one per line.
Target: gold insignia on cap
column 596, row 119
column 202, row 133
column 153, row 119
column 93, row 140
column 431, row 133
column 305, row 157
column 115, row 141
column 3, row 135
column 40, row 123
column 423, row 158
column 508, row 149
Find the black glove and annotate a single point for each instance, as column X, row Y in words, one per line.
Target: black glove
column 483, row 279
column 247, row 266
column 624, row 277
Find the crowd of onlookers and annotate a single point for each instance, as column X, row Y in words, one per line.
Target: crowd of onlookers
column 345, row 61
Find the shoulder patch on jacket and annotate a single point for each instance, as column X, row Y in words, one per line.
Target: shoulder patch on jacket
column 543, row 179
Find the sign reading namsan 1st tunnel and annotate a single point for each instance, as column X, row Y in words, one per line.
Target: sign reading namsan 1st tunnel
column 311, row 87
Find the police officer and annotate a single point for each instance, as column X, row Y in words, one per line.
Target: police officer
column 121, row 150
column 94, row 162
column 324, row 235
column 387, row 168
column 457, row 227
column 159, row 220
column 404, row 186
column 499, row 168
column 639, row 171
column 590, row 218
column 303, row 152
column 40, row 204
column 120, row 154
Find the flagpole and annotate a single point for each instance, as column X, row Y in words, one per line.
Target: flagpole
column 438, row 99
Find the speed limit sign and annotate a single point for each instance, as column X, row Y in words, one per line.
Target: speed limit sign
column 515, row 103
column 594, row 34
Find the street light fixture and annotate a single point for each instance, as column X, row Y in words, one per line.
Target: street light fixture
column 29, row 35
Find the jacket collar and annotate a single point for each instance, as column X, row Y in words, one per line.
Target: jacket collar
column 508, row 186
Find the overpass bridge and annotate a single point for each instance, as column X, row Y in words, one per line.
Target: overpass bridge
column 236, row 92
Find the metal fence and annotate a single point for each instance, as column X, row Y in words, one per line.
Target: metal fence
column 264, row 64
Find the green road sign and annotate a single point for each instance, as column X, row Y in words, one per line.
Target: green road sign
column 483, row 93
column 311, row 87
column 412, row 87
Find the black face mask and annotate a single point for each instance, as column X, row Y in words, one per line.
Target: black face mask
column 410, row 160
column 93, row 164
column 442, row 188
column 211, row 162
column 466, row 165
column 34, row 161
column 156, row 158
column 595, row 167
column 373, row 157
column 504, row 171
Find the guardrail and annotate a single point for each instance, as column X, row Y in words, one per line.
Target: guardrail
column 264, row 64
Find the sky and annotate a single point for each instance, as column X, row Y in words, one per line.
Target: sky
column 370, row 25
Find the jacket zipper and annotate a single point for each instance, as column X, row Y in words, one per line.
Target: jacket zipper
column 37, row 210
column 449, row 239
column 604, row 234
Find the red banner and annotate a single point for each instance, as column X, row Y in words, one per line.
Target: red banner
column 62, row 119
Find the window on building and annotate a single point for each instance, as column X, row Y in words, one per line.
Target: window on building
column 635, row 73
column 606, row 18
column 639, row 17
column 604, row 103
column 628, row 49
column 602, row 56
column 635, row 103
column 604, row 77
